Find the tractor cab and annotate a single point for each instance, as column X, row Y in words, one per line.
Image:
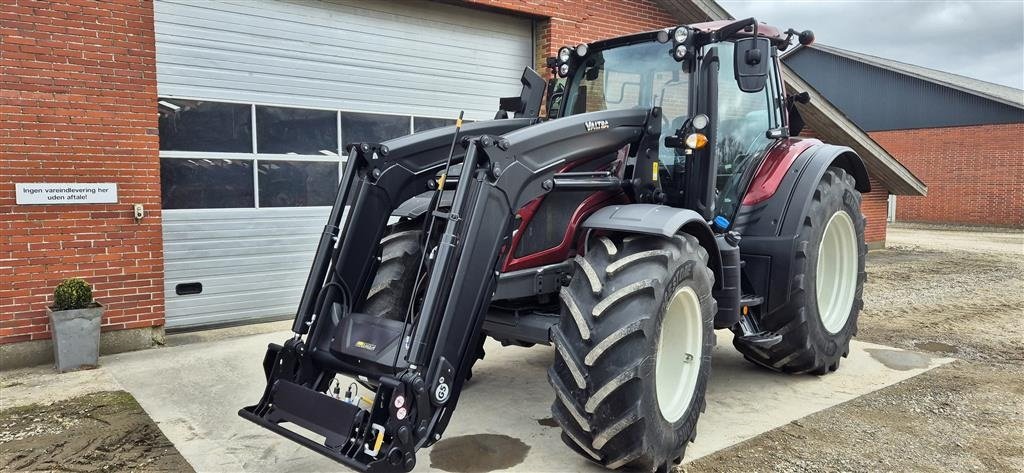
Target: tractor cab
column 720, row 96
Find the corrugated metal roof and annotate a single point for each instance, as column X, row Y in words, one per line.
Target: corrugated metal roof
column 999, row 93
column 821, row 115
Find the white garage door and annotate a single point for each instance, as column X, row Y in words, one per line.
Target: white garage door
column 257, row 98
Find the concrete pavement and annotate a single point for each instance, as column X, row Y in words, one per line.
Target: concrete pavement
column 503, row 421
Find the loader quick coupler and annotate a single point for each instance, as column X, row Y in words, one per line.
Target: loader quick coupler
column 383, row 438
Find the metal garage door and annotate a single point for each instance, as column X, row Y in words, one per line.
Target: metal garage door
column 257, row 98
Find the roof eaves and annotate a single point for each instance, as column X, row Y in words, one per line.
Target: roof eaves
column 833, row 126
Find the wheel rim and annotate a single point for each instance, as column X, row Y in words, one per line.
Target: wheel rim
column 677, row 365
column 836, row 274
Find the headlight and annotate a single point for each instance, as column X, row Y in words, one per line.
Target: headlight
column 680, row 34
column 563, row 70
column 680, row 52
column 564, row 54
column 581, row 50
column 700, row 121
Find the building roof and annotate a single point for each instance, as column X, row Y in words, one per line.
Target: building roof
column 999, row 93
column 824, row 118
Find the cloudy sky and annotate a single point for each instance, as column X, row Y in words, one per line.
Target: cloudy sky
column 980, row 39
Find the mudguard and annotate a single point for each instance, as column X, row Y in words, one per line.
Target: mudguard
column 652, row 219
column 769, row 228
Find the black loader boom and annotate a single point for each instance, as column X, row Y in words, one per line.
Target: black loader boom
column 420, row 363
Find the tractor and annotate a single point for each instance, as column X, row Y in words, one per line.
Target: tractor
column 661, row 195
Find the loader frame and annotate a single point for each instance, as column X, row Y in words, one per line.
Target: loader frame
column 502, row 170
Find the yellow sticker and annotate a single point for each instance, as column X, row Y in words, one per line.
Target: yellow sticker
column 654, row 165
column 380, row 440
column 458, row 123
column 440, row 182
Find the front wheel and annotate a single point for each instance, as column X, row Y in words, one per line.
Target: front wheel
column 821, row 317
column 633, row 350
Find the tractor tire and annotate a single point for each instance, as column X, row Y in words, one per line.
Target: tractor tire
column 633, row 351
column 393, row 284
column 821, row 317
column 391, row 291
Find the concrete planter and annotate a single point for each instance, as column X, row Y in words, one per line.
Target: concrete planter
column 76, row 337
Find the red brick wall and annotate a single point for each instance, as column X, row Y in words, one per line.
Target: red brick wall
column 874, row 206
column 77, row 99
column 975, row 174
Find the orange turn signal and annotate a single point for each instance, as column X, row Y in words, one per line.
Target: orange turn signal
column 696, row 141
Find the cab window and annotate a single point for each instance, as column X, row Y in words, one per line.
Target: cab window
column 743, row 119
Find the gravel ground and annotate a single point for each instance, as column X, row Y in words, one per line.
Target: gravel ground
column 952, row 293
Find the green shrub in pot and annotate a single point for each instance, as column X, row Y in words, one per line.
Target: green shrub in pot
column 72, row 294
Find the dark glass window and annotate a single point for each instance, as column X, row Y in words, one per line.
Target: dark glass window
column 282, row 130
column 205, row 183
column 297, row 183
column 425, row 123
column 196, row 125
column 372, row 127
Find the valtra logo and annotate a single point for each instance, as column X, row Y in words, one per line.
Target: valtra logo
column 595, row 125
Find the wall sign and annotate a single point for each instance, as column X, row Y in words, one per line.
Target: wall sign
column 66, row 193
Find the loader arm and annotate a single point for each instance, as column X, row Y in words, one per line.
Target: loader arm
column 418, row 365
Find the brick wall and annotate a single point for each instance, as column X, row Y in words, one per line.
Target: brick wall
column 77, row 99
column 975, row 174
column 874, row 206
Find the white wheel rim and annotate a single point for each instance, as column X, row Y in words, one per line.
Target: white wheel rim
column 836, row 274
column 677, row 365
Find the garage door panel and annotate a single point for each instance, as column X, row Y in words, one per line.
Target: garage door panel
column 311, row 86
column 241, row 282
column 229, row 301
column 392, row 22
column 341, row 35
column 425, row 41
column 304, row 240
column 181, row 59
column 279, row 310
column 271, row 271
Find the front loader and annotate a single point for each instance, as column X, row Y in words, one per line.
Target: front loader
column 660, row 198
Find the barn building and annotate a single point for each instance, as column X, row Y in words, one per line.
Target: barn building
column 963, row 136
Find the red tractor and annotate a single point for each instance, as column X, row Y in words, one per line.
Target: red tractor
column 663, row 196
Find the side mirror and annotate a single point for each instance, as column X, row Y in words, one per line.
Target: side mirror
column 750, row 62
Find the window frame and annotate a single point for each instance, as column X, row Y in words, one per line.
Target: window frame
column 255, row 156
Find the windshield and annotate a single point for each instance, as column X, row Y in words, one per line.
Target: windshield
column 635, row 75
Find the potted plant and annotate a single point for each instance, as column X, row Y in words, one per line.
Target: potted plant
column 75, row 324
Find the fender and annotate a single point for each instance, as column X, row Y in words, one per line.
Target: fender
column 769, row 227
column 652, row 219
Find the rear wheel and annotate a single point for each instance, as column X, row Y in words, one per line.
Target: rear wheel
column 821, row 317
column 633, row 350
